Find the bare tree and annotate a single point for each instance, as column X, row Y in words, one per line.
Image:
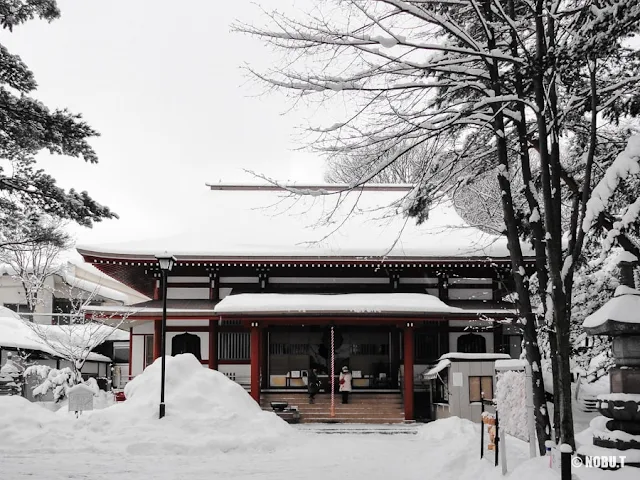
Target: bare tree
column 74, row 343
column 34, row 262
column 503, row 81
column 408, row 168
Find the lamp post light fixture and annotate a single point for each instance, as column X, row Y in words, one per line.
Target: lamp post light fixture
column 166, row 263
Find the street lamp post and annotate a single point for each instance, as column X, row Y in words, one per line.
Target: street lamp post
column 166, row 264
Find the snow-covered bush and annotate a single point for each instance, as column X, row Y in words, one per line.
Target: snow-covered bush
column 58, row 381
column 594, row 285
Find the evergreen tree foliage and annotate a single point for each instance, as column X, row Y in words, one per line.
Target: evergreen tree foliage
column 27, row 127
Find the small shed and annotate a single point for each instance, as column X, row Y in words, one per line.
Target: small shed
column 458, row 382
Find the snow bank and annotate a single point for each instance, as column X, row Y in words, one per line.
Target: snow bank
column 206, row 413
column 448, row 429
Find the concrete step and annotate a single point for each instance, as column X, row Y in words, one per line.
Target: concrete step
column 338, row 404
column 328, row 419
column 338, row 399
column 369, row 408
column 353, row 414
column 343, row 408
column 354, row 429
column 309, row 409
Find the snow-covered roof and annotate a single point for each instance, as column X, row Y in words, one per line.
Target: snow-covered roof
column 433, row 373
column 511, row 364
column 623, row 308
column 625, row 256
column 346, row 303
column 271, row 223
column 154, row 307
column 458, row 356
column 15, row 333
column 85, row 276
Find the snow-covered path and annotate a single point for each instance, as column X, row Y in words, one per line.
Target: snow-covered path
column 214, row 430
column 443, row 450
column 313, row 456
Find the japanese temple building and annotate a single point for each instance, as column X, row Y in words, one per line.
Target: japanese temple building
column 263, row 275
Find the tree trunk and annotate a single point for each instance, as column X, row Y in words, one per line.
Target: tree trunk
column 551, row 176
column 532, row 352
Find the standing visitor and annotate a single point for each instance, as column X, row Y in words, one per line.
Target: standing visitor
column 313, row 384
column 345, row 384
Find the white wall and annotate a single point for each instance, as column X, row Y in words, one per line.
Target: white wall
column 11, row 291
column 137, row 355
column 146, row 328
column 459, row 395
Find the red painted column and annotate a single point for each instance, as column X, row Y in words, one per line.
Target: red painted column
column 264, row 357
column 157, row 338
column 156, row 289
column 131, row 352
column 255, row 361
column 408, row 371
column 213, row 344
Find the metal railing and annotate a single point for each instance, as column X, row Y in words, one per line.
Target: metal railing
column 52, row 318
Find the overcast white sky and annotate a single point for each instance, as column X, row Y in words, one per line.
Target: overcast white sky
column 162, row 82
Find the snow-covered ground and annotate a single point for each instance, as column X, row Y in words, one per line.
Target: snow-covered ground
column 214, row 430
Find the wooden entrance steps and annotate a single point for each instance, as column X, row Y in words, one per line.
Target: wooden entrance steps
column 363, row 407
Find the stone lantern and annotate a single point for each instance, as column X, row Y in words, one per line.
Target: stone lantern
column 617, row 432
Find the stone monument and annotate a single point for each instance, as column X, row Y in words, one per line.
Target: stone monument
column 617, row 432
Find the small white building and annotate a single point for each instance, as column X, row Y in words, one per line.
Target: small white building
column 460, row 381
column 75, row 282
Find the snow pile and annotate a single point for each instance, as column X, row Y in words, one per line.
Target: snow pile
column 599, row 428
column 449, row 429
column 206, row 413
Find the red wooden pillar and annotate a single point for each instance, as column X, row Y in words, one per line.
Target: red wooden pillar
column 213, row 344
column 157, row 338
column 408, row 371
column 264, row 358
column 131, row 352
column 255, row 361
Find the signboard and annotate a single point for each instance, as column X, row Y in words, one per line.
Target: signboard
column 80, row 398
column 456, row 379
column 514, row 403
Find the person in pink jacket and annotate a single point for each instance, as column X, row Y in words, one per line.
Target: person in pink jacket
column 345, row 383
